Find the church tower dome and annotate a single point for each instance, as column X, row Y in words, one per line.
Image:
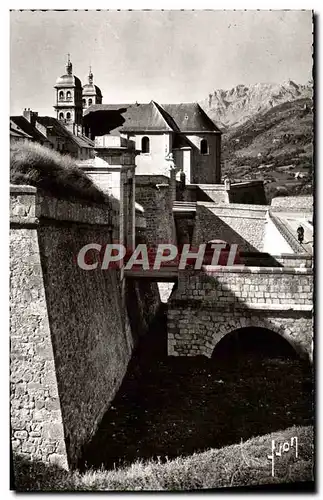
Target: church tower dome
column 68, row 105
column 91, row 93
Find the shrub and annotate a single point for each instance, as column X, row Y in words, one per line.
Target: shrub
column 38, row 166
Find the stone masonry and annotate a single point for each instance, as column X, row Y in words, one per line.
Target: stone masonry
column 36, row 417
column 241, row 224
column 154, row 193
column 70, row 336
column 212, row 302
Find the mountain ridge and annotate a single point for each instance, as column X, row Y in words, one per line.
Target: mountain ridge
column 233, row 107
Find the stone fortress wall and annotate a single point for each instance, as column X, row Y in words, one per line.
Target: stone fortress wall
column 215, row 301
column 71, row 339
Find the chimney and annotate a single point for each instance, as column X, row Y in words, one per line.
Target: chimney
column 31, row 116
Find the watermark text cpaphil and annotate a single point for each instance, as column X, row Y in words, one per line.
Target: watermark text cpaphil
column 116, row 255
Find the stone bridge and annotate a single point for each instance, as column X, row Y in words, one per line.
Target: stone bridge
column 209, row 304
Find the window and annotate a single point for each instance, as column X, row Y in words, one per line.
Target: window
column 204, row 147
column 61, row 116
column 90, row 102
column 145, row 145
column 68, row 115
column 61, row 95
column 84, row 103
column 68, row 95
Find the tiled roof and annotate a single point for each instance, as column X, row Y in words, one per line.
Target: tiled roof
column 16, row 131
column 137, row 117
column 49, row 121
column 27, row 127
column 80, row 140
column 188, row 117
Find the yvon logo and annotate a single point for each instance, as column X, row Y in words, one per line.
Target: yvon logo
column 285, row 447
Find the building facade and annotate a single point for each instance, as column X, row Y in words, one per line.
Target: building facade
column 182, row 133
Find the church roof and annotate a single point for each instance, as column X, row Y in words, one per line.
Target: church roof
column 188, row 117
column 136, row 117
column 68, row 81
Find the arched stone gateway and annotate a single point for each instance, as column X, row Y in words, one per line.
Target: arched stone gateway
column 284, row 327
column 252, row 344
column 207, row 307
column 194, row 332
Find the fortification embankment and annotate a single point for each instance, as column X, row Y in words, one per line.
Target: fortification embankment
column 71, row 339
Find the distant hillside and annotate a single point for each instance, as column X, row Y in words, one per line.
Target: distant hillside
column 230, row 108
column 276, row 145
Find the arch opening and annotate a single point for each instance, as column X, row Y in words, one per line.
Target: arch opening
column 253, row 344
column 145, row 146
column 204, row 148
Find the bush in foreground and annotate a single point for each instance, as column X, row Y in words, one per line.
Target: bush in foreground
column 244, row 464
column 36, row 165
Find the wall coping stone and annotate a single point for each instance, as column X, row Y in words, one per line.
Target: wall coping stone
column 40, row 206
column 295, row 256
column 63, row 210
column 256, row 270
column 22, row 189
column 246, row 183
column 250, row 306
column 235, row 206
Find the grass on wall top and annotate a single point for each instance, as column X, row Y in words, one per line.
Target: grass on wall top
column 36, row 165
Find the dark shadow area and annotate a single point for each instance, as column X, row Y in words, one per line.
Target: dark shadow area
column 253, row 344
column 37, row 476
column 184, row 234
column 171, row 406
column 101, row 122
column 258, row 259
column 142, row 301
column 249, row 196
column 210, row 226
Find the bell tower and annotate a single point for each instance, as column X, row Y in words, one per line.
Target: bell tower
column 91, row 93
column 68, row 105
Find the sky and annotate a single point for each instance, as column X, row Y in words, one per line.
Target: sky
column 167, row 56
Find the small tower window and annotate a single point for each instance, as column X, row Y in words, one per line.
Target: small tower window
column 68, row 115
column 90, row 102
column 61, row 95
column 84, row 102
column 68, row 95
column 204, row 147
column 145, row 146
column 61, row 116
